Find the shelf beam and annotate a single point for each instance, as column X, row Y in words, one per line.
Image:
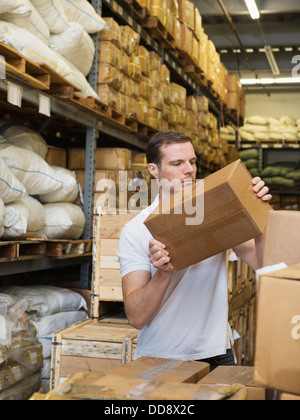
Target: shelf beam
column 58, row 107
column 45, row 263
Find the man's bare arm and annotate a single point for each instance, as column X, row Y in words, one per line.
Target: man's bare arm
column 142, row 294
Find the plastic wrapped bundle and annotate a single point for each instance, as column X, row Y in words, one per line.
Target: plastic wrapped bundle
column 20, row 352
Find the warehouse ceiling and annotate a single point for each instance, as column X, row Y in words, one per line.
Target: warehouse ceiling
column 278, row 26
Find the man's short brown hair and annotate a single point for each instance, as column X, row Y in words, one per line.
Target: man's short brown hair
column 153, row 149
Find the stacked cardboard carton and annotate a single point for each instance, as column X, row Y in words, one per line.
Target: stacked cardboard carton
column 236, row 95
column 177, row 110
column 118, row 176
column 120, row 69
column 278, row 318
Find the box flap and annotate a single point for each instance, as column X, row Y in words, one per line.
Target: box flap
column 290, row 273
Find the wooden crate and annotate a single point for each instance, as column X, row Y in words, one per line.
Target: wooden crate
column 106, row 279
column 93, row 346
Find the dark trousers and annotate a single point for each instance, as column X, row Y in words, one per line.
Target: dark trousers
column 223, row 360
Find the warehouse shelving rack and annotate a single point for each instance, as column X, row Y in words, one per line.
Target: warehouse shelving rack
column 94, row 128
column 269, row 154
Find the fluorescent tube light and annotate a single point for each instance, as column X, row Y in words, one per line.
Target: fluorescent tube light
column 271, row 81
column 272, row 60
column 253, row 9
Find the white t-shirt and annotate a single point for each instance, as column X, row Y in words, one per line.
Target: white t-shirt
column 192, row 321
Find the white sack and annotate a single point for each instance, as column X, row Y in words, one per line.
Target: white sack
column 69, row 190
column 24, row 218
column 9, row 5
column 256, row 120
column 287, row 120
column 20, row 136
column 53, row 14
column 47, row 325
column 80, row 81
column 276, row 136
column 245, row 135
column 2, row 217
column 272, row 120
column 262, row 136
column 30, row 169
column 252, row 128
column 45, row 300
column 28, row 18
column 63, row 221
column 82, row 12
column 32, row 47
column 11, row 188
column 76, row 45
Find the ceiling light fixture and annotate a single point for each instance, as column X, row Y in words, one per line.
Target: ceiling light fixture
column 272, row 61
column 271, row 81
column 253, row 9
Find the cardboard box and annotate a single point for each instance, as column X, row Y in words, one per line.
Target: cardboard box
column 105, row 158
column 96, row 386
column 282, row 239
column 277, row 361
column 232, row 214
column 56, row 156
column 288, row 397
column 163, row 370
column 229, row 375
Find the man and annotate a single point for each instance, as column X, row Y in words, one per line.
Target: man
column 181, row 315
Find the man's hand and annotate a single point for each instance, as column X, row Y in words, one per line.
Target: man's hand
column 261, row 190
column 159, row 256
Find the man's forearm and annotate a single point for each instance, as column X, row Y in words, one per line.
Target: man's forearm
column 142, row 304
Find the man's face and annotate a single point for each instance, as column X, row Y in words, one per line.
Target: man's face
column 178, row 163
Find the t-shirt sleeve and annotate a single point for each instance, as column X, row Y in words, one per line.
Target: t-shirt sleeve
column 132, row 251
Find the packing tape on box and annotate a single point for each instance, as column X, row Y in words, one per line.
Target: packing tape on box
column 163, row 11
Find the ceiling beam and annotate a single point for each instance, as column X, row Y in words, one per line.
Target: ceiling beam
column 237, row 7
column 283, row 34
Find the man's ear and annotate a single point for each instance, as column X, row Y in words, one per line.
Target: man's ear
column 153, row 169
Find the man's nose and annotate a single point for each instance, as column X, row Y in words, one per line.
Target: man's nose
column 189, row 168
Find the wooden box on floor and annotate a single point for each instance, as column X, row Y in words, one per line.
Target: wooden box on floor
column 107, row 281
column 93, row 345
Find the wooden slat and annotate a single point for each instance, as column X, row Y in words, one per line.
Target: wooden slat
column 24, row 70
column 92, row 344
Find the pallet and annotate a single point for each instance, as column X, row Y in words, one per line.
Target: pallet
column 59, row 87
column 21, row 250
column 38, row 248
column 66, row 248
column 21, row 69
column 137, row 12
column 157, row 31
column 145, row 131
column 93, row 345
column 62, row 89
